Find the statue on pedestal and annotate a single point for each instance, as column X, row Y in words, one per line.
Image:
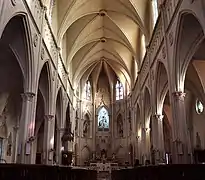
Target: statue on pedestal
column 198, row 141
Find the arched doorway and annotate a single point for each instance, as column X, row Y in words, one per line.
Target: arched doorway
column 167, row 130
column 164, row 113
column 189, row 67
column 138, row 134
column 146, row 130
column 42, row 117
column 67, row 140
column 58, row 130
column 14, row 77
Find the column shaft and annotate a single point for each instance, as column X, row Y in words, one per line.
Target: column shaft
column 25, row 121
column 48, row 141
column 180, row 133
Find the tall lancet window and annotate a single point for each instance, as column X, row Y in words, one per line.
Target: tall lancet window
column 88, row 90
column 155, row 11
column 119, row 90
column 103, row 119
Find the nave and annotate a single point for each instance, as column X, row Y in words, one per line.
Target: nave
column 102, row 89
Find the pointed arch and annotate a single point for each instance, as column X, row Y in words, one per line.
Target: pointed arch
column 44, row 85
column 59, row 107
column 161, row 86
column 185, row 47
column 20, row 24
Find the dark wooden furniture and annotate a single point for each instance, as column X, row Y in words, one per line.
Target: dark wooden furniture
column 43, row 172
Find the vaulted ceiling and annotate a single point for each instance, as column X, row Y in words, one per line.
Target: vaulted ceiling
column 101, row 33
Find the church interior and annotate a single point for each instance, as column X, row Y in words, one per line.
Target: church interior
column 100, row 86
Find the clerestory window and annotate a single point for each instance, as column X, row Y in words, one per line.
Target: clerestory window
column 88, row 90
column 119, row 90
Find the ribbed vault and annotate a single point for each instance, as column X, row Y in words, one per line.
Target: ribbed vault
column 96, row 33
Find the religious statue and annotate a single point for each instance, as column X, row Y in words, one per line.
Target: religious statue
column 85, row 128
column 9, row 146
column 198, row 141
column 120, row 128
column 76, row 121
column 113, row 157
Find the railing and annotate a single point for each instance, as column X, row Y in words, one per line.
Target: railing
column 166, row 172
column 156, row 40
column 50, row 42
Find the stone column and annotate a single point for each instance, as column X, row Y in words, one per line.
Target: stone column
column 159, row 150
column 15, row 145
column 137, row 147
column 48, row 140
column 180, row 131
column 58, row 150
column 25, row 120
column 154, row 133
column 143, row 144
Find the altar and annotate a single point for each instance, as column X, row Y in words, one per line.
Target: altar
column 104, row 167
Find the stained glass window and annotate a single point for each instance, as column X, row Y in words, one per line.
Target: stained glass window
column 199, row 107
column 103, row 119
column 88, row 90
column 119, row 90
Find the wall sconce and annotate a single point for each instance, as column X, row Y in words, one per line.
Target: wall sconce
column 52, row 141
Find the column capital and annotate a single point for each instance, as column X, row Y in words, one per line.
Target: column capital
column 27, row 96
column 16, row 128
column 61, row 130
column 49, row 117
column 179, row 95
column 158, row 116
